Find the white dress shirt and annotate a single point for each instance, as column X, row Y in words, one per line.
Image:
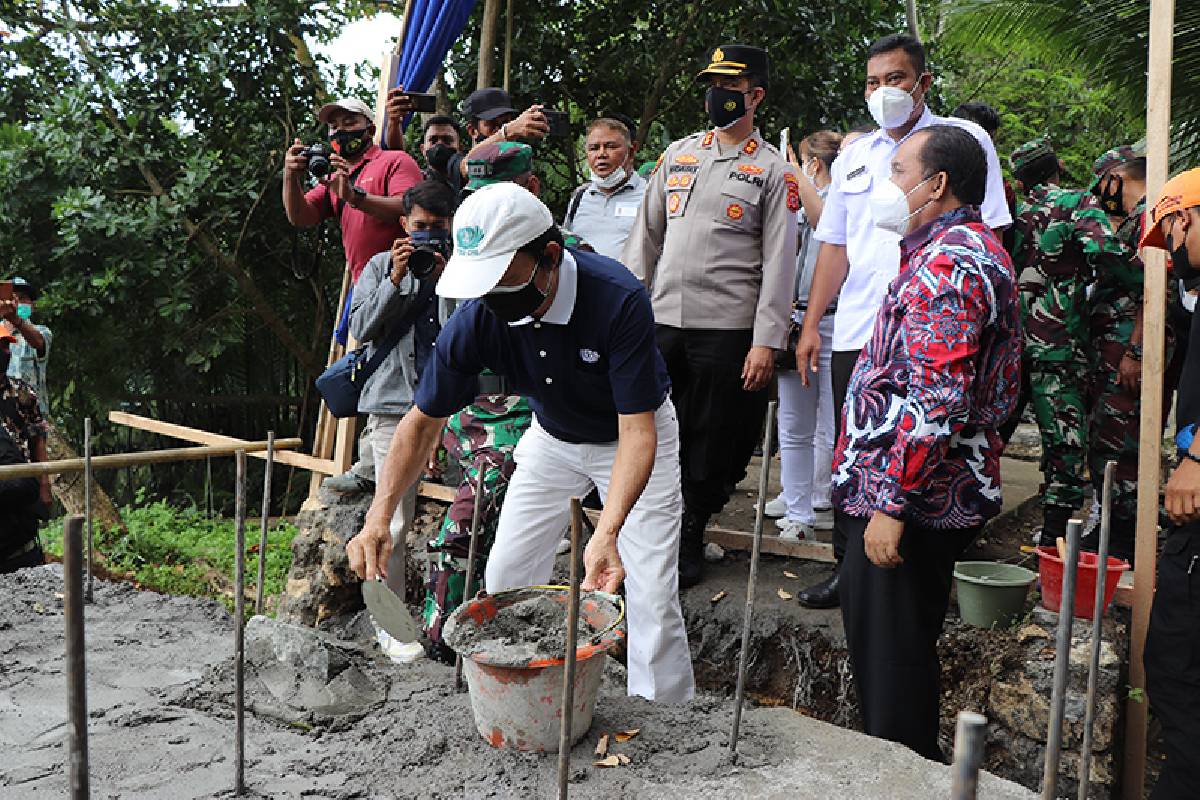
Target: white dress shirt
column 873, row 253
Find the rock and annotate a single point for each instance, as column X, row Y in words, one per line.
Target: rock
column 306, row 671
column 713, row 552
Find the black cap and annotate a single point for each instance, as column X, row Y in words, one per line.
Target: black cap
column 25, row 287
column 737, row 60
column 487, row 104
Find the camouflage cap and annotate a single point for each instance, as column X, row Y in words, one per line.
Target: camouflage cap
column 1030, row 152
column 497, row 163
column 1115, row 157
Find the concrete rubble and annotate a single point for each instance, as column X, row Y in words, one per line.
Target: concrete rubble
column 330, row 719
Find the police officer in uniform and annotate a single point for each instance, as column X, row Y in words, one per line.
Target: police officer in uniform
column 715, row 243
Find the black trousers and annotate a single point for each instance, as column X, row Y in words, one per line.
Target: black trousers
column 841, row 367
column 893, row 618
column 1172, row 660
column 714, row 411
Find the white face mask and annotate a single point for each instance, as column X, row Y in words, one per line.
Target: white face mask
column 889, row 207
column 614, row 179
column 891, row 106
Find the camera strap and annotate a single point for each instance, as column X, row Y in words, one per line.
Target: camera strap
column 425, row 290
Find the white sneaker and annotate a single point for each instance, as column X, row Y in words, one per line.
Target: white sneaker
column 793, row 530
column 824, row 519
column 776, row 507
column 398, row 652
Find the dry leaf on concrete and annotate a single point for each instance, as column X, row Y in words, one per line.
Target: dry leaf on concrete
column 602, row 746
column 787, row 574
column 718, row 597
column 611, row 761
column 625, row 736
column 783, row 595
column 624, row 759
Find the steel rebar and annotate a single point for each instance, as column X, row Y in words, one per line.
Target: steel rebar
column 73, row 600
column 472, row 551
column 970, row 736
column 1062, row 665
column 752, row 584
column 1089, row 716
column 266, row 514
column 239, row 629
column 87, row 501
column 568, row 692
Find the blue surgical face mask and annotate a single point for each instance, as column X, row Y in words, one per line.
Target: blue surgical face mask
column 24, row 311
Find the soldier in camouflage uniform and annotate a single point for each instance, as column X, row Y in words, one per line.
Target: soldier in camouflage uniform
column 1062, row 238
column 480, row 439
column 1116, row 345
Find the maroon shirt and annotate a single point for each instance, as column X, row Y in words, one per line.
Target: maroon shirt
column 383, row 173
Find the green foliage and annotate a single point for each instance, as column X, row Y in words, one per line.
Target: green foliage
column 181, row 551
column 1036, row 97
column 1104, row 40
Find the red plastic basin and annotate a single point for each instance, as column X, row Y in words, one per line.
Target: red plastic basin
column 1050, row 573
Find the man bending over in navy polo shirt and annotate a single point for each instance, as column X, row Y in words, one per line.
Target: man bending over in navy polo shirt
column 573, row 332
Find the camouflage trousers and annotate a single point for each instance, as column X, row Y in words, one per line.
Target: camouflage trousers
column 480, row 439
column 1058, row 393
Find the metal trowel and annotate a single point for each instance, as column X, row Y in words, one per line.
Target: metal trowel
column 389, row 611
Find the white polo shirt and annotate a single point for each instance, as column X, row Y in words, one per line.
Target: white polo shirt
column 874, row 253
column 605, row 220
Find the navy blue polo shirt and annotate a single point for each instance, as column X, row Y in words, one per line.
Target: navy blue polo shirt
column 591, row 357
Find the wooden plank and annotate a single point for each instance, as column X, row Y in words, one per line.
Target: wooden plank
column 324, row 438
column 1158, row 148
column 121, row 460
column 740, row 540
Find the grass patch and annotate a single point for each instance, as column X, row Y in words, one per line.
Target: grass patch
column 181, row 551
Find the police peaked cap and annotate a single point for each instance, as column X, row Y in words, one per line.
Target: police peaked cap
column 738, row 60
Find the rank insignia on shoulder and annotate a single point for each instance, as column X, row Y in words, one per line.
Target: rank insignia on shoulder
column 686, row 158
column 854, row 173
column 750, row 169
column 734, row 211
column 751, row 147
column 793, row 191
column 707, row 141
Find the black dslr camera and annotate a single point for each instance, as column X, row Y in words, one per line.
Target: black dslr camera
column 427, row 245
column 318, row 160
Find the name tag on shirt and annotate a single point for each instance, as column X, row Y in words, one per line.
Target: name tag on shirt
column 626, row 210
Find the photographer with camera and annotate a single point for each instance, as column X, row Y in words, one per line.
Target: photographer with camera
column 358, row 182
column 23, row 432
column 394, row 307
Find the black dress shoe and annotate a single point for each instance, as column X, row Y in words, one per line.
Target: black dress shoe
column 691, row 549
column 822, row 595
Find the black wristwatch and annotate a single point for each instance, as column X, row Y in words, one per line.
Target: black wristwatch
column 359, row 195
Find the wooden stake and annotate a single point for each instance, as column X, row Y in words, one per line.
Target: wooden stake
column 73, row 600
column 87, row 502
column 472, row 552
column 239, row 629
column 568, row 692
column 1158, row 148
column 262, row 537
column 970, row 736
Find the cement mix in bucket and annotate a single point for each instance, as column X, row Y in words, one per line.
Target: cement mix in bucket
column 327, row 717
column 535, row 627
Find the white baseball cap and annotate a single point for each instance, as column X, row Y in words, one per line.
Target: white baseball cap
column 489, row 227
column 351, row 104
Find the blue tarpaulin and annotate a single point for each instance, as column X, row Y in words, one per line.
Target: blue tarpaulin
column 433, row 26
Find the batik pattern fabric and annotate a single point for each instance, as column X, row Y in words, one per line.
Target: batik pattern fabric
column 938, row 376
column 480, row 439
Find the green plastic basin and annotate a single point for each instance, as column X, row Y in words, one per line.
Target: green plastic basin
column 991, row 594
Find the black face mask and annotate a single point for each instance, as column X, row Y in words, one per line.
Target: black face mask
column 438, row 156
column 349, row 144
column 1181, row 263
column 725, row 106
column 1112, row 195
column 516, row 303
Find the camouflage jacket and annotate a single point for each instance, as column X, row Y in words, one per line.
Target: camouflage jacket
column 19, row 414
column 1062, row 240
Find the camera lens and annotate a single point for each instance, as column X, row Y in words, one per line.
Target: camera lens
column 422, row 262
column 318, row 166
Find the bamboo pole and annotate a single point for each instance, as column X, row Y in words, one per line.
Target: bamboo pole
column 1158, row 147
column 266, row 513
column 508, row 39
column 487, row 43
column 119, row 460
column 73, row 600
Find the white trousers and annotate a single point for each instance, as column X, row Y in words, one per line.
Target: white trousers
column 806, row 434
column 378, row 433
column 537, row 508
